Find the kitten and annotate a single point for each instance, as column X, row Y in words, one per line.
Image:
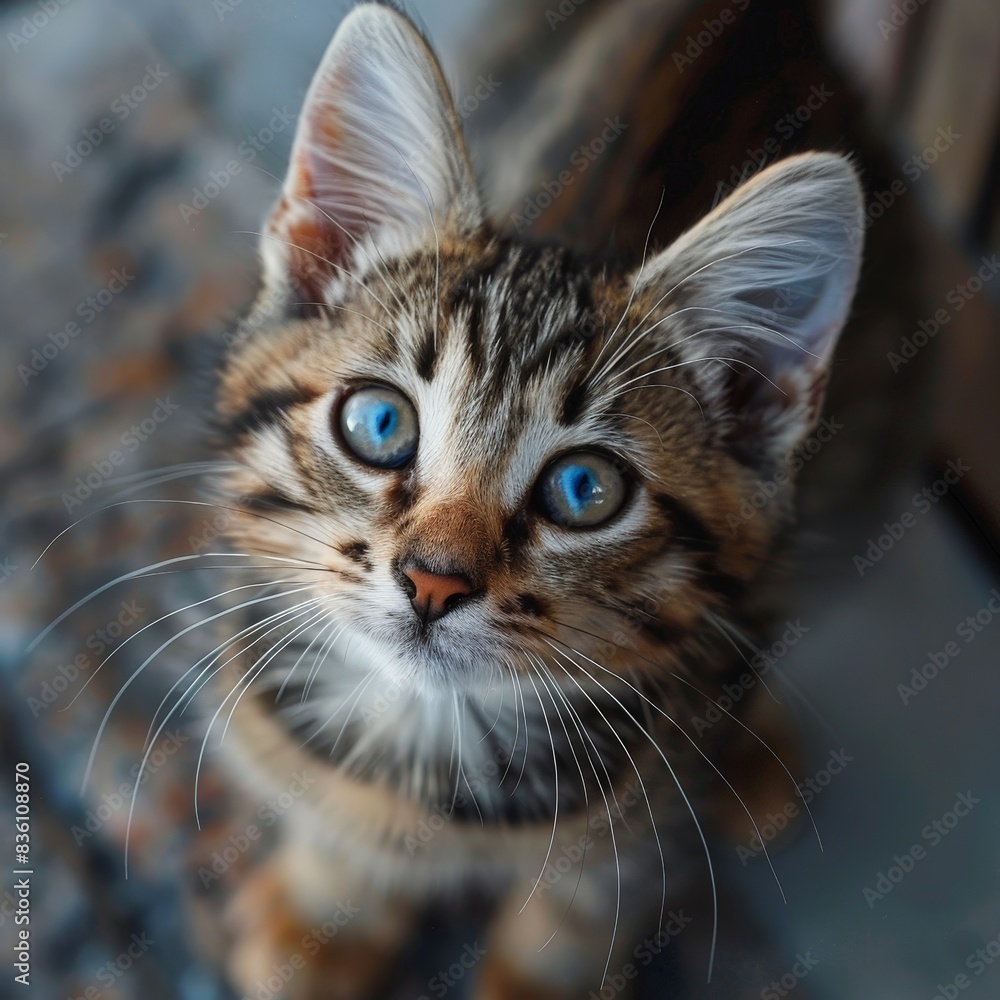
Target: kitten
column 493, row 481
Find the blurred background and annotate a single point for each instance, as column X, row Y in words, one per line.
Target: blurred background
column 142, row 145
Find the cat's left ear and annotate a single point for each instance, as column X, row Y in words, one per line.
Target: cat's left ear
column 378, row 164
column 756, row 295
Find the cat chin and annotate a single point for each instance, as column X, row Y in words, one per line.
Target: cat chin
column 430, row 664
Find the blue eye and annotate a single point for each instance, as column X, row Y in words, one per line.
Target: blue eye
column 581, row 490
column 379, row 425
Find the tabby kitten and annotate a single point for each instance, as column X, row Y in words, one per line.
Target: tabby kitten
column 493, row 480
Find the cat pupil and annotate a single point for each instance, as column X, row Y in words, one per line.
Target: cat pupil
column 581, row 485
column 385, row 419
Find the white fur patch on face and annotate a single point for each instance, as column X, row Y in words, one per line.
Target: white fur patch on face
column 477, row 747
column 268, row 455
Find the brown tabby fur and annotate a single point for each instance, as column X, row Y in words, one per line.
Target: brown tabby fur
column 611, row 633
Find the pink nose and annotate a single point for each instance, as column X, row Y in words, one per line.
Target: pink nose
column 433, row 595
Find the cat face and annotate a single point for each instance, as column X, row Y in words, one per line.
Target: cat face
column 484, row 455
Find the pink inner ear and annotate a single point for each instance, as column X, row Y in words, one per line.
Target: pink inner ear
column 313, row 247
column 376, row 154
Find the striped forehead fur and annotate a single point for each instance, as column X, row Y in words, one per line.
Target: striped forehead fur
column 692, row 376
column 515, row 332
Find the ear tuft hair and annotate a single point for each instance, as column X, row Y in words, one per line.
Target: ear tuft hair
column 763, row 286
column 378, row 164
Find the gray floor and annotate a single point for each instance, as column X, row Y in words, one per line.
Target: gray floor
column 910, row 764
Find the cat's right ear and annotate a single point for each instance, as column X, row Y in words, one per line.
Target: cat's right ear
column 379, row 167
column 756, row 295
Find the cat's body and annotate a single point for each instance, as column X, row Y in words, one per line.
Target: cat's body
column 495, row 482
